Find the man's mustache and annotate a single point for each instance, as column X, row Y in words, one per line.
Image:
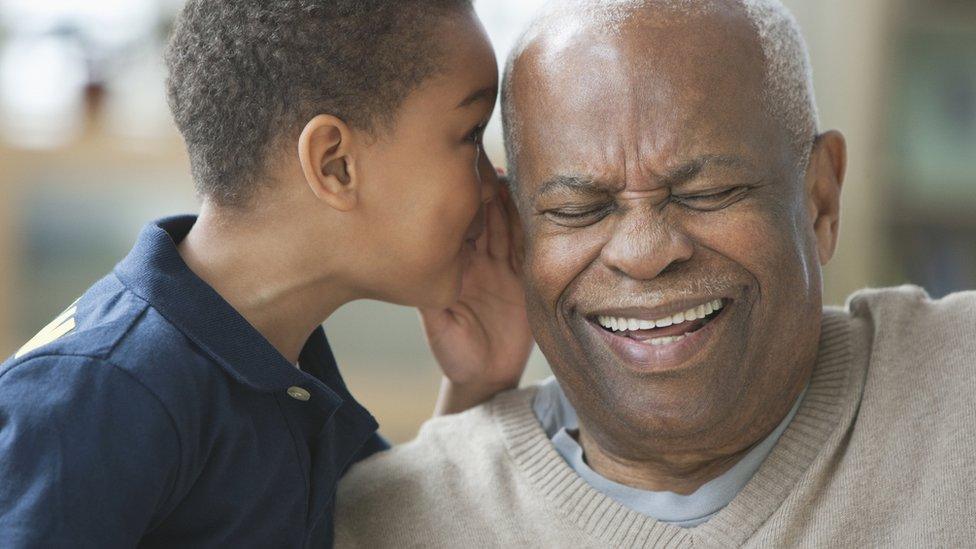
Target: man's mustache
column 658, row 292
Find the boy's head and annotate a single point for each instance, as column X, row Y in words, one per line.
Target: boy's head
column 350, row 128
column 246, row 75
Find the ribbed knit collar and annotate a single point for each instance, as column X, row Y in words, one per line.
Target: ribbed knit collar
column 832, row 395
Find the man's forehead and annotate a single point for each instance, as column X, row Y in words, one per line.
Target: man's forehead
column 611, row 14
column 561, row 20
column 674, row 91
column 646, row 44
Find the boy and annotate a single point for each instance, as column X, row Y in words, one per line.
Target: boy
column 190, row 397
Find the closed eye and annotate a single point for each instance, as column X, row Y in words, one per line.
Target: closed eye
column 578, row 217
column 711, row 200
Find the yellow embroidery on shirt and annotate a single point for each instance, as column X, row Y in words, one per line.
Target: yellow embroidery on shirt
column 59, row 327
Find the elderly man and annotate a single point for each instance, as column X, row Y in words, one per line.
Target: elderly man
column 678, row 202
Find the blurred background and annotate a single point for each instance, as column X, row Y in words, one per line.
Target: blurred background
column 88, row 154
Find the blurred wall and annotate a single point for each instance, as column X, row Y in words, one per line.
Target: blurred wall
column 74, row 198
column 849, row 46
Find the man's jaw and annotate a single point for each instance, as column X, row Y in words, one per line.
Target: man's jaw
column 661, row 338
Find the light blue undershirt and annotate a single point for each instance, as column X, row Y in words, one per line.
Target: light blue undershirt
column 558, row 417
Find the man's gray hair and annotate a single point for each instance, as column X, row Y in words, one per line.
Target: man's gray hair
column 788, row 88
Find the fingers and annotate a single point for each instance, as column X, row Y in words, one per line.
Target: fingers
column 435, row 322
column 498, row 238
column 516, row 236
column 489, row 179
column 481, row 244
column 503, row 227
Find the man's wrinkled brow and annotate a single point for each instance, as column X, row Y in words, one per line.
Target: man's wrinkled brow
column 571, row 183
column 693, row 168
column 673, row 176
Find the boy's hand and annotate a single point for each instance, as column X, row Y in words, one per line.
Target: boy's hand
column 482, row 342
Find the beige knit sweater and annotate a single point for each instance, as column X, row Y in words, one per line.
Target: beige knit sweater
column 880, row 454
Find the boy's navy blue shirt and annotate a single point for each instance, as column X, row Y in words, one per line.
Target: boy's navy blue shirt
column 152, row 414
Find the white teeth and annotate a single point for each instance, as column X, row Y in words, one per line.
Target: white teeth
column 619, row 324
column 657, row 341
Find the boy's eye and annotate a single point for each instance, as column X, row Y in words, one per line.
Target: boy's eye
column 477, row 134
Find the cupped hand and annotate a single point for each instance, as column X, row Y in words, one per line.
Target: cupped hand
column 482, row 342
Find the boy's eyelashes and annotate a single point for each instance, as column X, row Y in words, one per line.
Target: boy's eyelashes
column 477, row 134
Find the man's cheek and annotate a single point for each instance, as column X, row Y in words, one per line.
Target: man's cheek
column 763, row 242
column 773, row 248
column 750, row 237
column 555, row 261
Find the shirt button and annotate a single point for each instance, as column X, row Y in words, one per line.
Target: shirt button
column 298, row 393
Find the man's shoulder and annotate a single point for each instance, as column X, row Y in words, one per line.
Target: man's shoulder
column 906, row 318
column 916, row 413
column 455, row 462
column 908, row 298
column 920, row 352
column 440, row 447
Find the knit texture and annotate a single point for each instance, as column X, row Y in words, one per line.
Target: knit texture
column 880, row 453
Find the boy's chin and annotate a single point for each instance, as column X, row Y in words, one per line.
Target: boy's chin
column 437, row 291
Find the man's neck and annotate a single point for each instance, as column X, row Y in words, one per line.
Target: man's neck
column 678, row 474
column 256, row 266
column 685, row 473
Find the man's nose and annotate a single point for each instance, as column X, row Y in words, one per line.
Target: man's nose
column 645, row 245
column 489, row 177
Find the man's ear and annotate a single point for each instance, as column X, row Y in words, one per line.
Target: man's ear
column 326, row 150
column 824, row 180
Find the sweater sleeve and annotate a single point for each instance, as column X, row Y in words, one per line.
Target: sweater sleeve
column 88, row 454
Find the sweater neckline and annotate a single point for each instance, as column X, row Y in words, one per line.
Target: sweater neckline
column 609, row 522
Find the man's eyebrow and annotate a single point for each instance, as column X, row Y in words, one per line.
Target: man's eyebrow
column 569, row 182
column 488, row 93
column 693, row 168
column 679, row 174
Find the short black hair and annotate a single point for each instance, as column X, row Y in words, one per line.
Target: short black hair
column 243, row 74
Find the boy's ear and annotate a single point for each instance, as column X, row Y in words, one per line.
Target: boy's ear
column 326, row 150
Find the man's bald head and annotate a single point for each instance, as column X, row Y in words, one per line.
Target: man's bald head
column 788, row 79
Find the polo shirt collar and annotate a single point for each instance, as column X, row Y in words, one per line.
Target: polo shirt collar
column 155, row 271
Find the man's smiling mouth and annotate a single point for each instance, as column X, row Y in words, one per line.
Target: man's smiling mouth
column 662, row 338
column 666, row 330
